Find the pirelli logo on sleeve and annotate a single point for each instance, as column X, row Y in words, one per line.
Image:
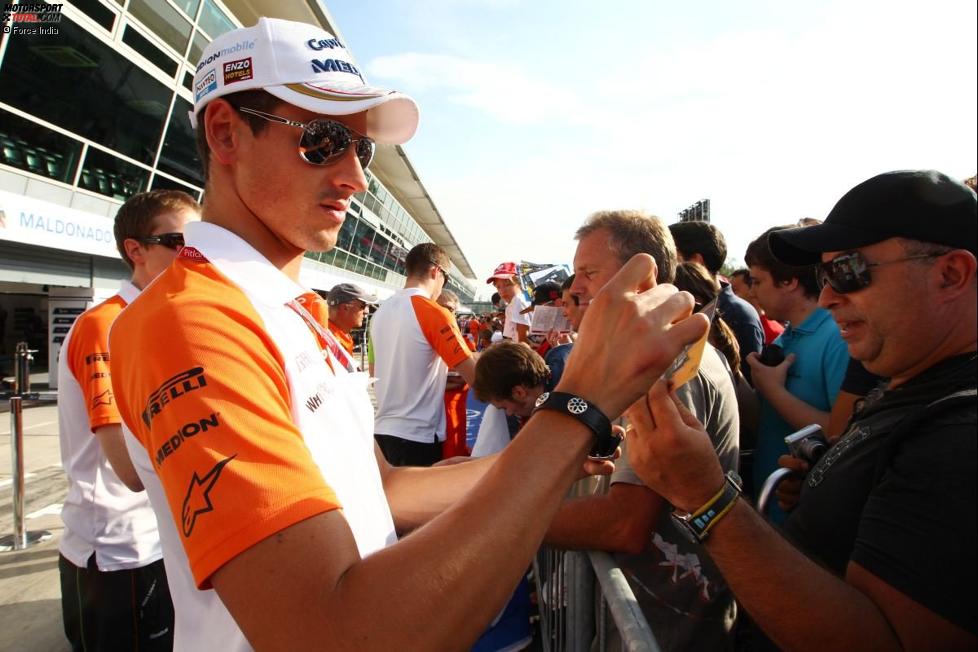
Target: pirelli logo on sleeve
column 171, row 390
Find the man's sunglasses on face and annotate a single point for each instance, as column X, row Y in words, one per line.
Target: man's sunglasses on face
column 849, row 272
column 323, row 141
column 441, row 269
column 168, row 240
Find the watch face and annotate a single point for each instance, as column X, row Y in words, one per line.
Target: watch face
column 542, row 398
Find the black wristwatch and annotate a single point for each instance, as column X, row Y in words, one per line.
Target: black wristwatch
column 697, row 526
column 605, row 442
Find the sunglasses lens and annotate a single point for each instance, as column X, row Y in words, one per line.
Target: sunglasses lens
column 324, row 141
column 172, row 240
column 845, row 274
column 365, row 151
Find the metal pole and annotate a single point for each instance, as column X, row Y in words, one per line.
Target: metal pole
column 17, row 469
column 21, row 538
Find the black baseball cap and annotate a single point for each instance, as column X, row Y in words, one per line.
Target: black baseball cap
column 543, row 294
column 920, row 205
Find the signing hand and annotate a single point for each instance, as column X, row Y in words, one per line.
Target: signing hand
column 655, row 322
column 671, row 451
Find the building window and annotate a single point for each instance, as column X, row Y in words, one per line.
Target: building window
column 27, row 145
column 98, row 12
column 214, row 21
column 179, row 154
column 164, row 21
column 145, row 47
column 111, row 176
column 73, row 80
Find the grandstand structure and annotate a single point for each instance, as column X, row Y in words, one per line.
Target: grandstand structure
column 94, row 108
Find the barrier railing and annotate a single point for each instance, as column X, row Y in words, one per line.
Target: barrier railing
column 576, row 591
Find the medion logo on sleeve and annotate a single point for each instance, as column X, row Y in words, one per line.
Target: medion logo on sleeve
column 186, row 431
column 171, row 390
column 235, row 71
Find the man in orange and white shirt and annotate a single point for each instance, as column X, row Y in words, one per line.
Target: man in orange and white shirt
column 253, row 432
column 416, row 341
column 113, row 587
column 348, row 304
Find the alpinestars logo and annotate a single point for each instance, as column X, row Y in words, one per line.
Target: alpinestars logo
column 198, row 500
column 105, row 398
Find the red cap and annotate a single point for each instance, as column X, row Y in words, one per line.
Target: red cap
column 503, row 270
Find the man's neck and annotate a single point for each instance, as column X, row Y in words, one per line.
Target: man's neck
column 798, row 313
column 425, row 285
column 226, row 210
column 140, row 279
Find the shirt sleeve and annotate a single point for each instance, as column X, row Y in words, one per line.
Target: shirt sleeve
column 212, row 409
column 441, row 331
column 88, row 360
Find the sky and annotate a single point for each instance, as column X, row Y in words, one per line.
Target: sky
column 536, row 113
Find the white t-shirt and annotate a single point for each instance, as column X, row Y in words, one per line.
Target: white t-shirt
column 513, row 316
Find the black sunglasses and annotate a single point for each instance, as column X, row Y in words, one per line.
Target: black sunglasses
column 168, row 240
column 323, row 141
column 440, row 269
column 850, row 272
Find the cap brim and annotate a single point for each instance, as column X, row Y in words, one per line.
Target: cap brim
column 804, row 245
column 505, row 277
column 392, row 117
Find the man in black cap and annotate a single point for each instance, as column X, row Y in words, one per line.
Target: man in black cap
column 882, row 542
column 348, row 305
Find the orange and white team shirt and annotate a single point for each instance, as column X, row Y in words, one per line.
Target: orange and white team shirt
column 344, row 338
column 101, row 515
column 415, row 342
column 244, row 418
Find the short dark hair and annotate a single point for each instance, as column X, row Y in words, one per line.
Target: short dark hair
column 697, row 280
column 136, row 218
column 568, row 282
column 257, row 99
column 759, row 255
column 421, row 258
column 701, row 238
column 742, row 273
column 505, row 365
column 635, row 232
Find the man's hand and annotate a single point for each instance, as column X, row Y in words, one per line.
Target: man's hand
column 653, row 322
column 768, row 380
column 789, row 489
column 671, row 452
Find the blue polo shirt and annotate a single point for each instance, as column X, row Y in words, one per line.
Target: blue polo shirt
column 821, row 359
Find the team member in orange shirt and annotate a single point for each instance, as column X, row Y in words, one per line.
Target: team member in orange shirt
column 348, row 305
column 114, row 592
column 254, row 437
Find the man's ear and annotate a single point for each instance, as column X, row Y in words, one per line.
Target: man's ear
column 221, row 124
column 519, row 393
column 135, row 251
column 695, row 258
column 956, row 271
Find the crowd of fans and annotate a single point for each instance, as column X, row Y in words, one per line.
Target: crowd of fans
column 289, row 514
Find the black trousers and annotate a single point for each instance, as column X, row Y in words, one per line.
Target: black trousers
column 116, row 610
column 401, row 452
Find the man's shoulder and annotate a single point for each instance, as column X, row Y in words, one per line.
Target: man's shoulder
column 101, row 315
column 736, row 309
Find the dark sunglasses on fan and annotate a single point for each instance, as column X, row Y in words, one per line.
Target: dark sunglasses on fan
column 168, row 240
column 323, row 141
column 850, row 272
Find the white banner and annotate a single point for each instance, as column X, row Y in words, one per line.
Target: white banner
column 36, row 222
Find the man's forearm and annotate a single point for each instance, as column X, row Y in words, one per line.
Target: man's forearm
column 619, row 521
column 795, row 411
column 418, row 494
column 798, row 604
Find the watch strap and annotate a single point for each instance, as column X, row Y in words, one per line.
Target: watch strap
column 605, row 441
column 699, row 523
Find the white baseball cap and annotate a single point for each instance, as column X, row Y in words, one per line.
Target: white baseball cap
column 302, row 65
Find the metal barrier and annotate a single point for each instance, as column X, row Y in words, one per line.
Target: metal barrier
column 575, row 593
column 21, row 538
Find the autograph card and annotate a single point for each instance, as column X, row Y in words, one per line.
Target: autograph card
column 686, row 364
